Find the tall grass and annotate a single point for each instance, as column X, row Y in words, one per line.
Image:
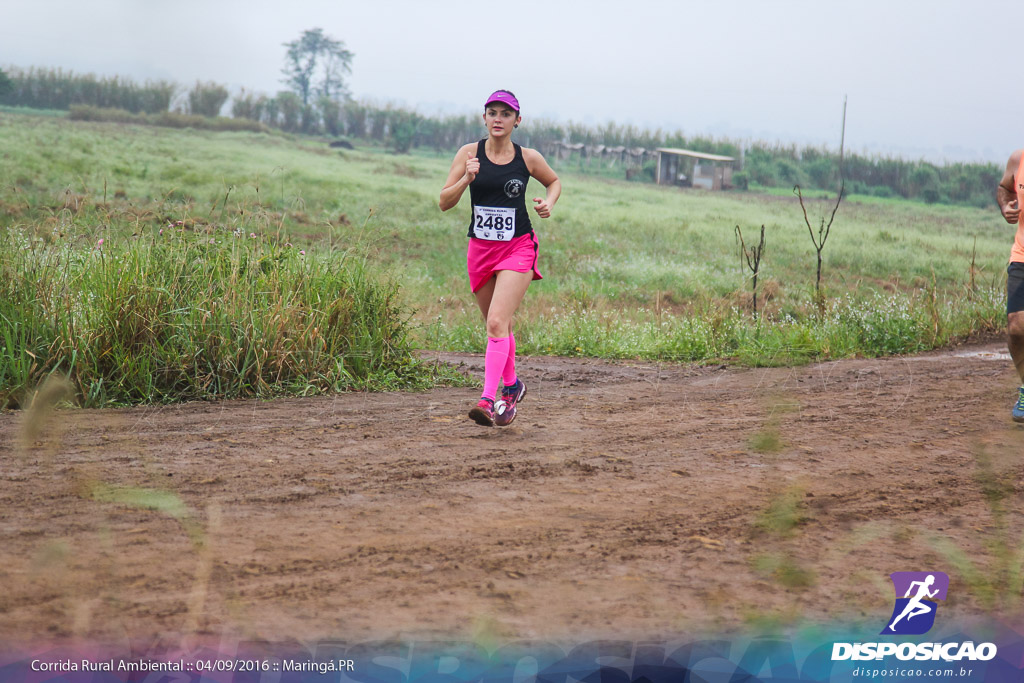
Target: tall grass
column 996, row 578
column 880, row 324
column 178, row 313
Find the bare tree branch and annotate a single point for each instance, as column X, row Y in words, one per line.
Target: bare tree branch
column 822, row 237
column 753, row 258
column 828, row 228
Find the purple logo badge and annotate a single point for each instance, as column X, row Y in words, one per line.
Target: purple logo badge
column 916, row 595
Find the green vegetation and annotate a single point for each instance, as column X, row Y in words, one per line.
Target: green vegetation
column 59, row 89
column 785, row 166
column 631, row 270
column 192, row 312
column 5, row 83
column 314, row 65
column 207, row 99
column 318, row 105
column 135, row 299
column 996, row 578
column 167, row 119
column 781, row 522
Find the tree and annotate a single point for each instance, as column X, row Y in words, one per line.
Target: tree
column 819, row 241
column 752, row 256
column 315, row 64
column 207, row 99
column 6, row 85
column 404, row 125
column 290, row 109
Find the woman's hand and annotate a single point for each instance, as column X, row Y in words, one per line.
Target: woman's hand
column 543, row 209
column 463, row 171
column 472, row 167
column 540, row 170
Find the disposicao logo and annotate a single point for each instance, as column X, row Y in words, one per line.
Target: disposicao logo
column 914, row 612
column 913, row 615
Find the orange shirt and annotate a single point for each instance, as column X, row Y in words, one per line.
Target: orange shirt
column 1017, row 252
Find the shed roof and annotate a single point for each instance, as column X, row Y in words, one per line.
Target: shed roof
column 696, row 155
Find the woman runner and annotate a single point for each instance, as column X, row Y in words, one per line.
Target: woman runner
column 502, row 254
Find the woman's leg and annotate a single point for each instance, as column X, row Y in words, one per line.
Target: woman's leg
column 508, row 374
column 498, row 301
column 483, row 296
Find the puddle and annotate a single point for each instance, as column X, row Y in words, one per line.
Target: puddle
column 985, row 355
column 994, row 353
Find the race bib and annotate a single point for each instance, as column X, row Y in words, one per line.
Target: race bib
column 494, row 223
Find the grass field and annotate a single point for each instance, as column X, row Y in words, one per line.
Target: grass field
column 630, row 270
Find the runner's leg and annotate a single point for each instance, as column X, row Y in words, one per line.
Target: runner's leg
column 1015, row 340
column 508, row 375
column 498, row 301
column 1015, row 330
column 507, row 294
column 494, row 361
column 483, row 301
column 483, row 296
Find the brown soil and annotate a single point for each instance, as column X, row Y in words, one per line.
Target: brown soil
column 628, row 499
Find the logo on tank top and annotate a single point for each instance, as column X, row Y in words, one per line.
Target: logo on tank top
column 513, row 188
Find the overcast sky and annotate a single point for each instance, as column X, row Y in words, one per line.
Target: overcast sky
column 924, row 79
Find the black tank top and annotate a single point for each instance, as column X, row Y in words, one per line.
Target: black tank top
column 501, row 187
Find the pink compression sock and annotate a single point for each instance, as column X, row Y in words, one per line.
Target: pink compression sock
column 508, row 375
column 494, row 363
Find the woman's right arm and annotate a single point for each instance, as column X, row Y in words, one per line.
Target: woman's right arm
column 465, row 166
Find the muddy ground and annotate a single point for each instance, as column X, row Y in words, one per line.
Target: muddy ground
column 627, row 500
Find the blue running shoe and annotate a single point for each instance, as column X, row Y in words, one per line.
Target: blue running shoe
column 1018, row 407
column 505, row 408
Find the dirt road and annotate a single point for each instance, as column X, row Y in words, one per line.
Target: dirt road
column 628, row 499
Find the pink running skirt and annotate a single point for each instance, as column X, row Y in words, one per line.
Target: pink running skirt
column 484, row 258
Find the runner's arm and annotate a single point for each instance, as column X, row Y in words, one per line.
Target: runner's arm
column 1006, row 191
column 540, row 170
column 464, row 168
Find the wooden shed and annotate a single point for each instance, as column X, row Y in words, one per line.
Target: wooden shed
column 686, row 168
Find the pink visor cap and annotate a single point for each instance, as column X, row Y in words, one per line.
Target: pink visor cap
column 505, row 98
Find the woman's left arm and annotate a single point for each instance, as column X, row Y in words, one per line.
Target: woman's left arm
column 540, row 170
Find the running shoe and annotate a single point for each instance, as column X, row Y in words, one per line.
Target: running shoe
column 483, row 412
column 505, row 409
column 1018, row 407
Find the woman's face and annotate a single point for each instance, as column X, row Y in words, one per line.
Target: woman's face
column 500, row 119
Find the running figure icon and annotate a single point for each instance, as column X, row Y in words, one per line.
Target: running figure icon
column 916, row 606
